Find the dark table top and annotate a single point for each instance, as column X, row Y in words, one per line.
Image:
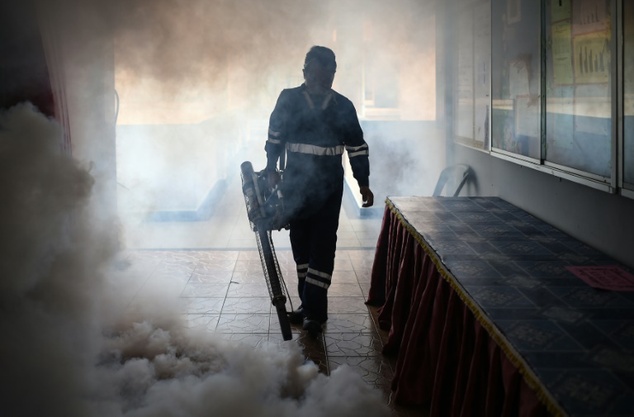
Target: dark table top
column 520, row 271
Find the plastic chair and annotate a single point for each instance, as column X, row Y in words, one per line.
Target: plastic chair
column 453, row 175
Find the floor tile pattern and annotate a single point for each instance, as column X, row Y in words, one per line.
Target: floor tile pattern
column 224, row 292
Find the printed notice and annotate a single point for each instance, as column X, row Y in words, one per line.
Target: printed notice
column 592, row 58
column 606, row 277
column 560, row 10
column 562, row 53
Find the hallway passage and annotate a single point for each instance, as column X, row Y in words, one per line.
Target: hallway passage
column 213, row 268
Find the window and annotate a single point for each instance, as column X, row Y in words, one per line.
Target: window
column 515, row 78
column 562, row 95
column 628, row 95
column 578, row 85
column 473, row 73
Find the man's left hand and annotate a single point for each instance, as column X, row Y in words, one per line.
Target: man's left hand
column 367, row 196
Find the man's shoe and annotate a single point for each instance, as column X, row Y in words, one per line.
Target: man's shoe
column 296, row 317
column 313, row 327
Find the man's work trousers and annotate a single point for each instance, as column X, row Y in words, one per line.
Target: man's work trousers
column 314, row 241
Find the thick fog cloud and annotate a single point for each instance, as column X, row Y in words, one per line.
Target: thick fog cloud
column 70, row 346
column 211, row 70
column 197, row 81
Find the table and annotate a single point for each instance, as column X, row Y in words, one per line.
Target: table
column 486, row 317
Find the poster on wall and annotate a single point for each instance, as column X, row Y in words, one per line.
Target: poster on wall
column 590, row 16
column 591, row 41
column 560, row 10
column 562, row 53
column 580, row 36
column 592, row 58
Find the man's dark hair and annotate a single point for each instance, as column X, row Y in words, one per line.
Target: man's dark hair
column 325, row 56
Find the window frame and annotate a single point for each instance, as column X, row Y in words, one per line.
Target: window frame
column 615, row 183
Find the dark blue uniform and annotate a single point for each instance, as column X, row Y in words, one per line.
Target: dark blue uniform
column 314, row 130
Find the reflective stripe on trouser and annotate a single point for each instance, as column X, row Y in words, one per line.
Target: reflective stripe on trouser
column 314, row 242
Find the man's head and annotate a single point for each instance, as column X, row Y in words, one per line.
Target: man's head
column 319, row 69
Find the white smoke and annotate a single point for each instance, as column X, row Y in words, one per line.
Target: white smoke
column 183, row 66
column 70, row 346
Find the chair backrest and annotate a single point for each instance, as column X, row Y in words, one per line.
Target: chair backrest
column 453, row 175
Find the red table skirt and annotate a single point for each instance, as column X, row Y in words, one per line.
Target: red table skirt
column 449, row 356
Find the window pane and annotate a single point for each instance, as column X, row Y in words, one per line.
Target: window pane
column 515, row 77
column 472, row 73
column 628, row 93
column 578, row 105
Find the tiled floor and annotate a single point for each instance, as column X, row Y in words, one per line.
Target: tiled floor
column 214, row 268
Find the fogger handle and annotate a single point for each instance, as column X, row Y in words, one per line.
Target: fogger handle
column 250, row 191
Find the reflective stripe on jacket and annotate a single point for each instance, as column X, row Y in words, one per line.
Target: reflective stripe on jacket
column 317, row 128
